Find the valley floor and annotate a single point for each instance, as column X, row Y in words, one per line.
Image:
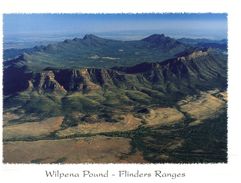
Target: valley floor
column 194, row 130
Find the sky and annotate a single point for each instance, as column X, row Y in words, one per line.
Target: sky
column 212, row 26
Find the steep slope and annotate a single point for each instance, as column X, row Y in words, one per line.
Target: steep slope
column 198, row 68
column 95, row 90
column 192, row 70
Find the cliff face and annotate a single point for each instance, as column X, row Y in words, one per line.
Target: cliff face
column 191, row 72
column 45, row 82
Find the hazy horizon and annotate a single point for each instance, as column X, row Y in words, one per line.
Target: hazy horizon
column 25, row 30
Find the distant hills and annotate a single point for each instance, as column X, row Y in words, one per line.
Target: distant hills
column 206, row 43
column 93, row 51
column 155, row 40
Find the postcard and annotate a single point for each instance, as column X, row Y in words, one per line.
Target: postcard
column 103, row 96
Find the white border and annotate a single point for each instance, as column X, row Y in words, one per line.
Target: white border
column 221, row 173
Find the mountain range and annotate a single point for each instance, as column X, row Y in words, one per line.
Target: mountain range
column 52, row 69
column 90, row 80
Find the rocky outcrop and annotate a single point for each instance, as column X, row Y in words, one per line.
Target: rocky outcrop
column 198, row 70
column 46, row 82
column 194, row 55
